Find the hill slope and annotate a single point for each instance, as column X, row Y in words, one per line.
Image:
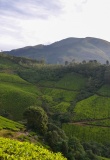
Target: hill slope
column 11, row 149
column 75, row 97
column 15, row 95
column 68, row 49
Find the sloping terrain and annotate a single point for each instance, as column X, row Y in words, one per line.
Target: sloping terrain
column 91, row 120
column 9, row 124
column 16, row 95
column 13, row 149
column 76, row 49
column 76, row 98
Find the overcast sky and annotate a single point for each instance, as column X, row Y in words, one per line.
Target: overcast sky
column 32, row 22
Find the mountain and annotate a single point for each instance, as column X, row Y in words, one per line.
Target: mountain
column 69, row 49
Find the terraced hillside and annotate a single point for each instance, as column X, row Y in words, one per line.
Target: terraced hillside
column 90, row 116
column 15, row 95
column 9, row 124
column 76, row 98
column 57, row 90
column 91, row 120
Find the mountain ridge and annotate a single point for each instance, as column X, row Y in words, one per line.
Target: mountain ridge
column 80, row 49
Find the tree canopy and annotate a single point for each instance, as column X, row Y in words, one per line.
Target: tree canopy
column 37, row 119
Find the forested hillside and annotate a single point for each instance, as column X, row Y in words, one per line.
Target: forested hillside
column 67, row 107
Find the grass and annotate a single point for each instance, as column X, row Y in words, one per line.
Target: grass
column 9, row 124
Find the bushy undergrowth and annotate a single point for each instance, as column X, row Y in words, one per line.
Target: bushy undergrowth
column 15, row 150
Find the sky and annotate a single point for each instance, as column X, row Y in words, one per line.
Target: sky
column 32, row 22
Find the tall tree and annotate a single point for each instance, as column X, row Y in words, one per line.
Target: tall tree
column 37, row 119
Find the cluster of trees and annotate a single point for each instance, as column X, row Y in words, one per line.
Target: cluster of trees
column 96, row 72
column 25, row 62
column 55, row 137
column 93, row 62
column 97, row 75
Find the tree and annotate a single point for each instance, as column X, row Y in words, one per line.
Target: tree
column 37, row 119
column 57, row 139
column 107, row 62
column 76, row 149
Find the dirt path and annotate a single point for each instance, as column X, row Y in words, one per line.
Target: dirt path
column 86, row 123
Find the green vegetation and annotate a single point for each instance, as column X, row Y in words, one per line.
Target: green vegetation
column 94, row 107
column 74, row 97
column 16, row 95
column 12, row 149
column 102, row 158
column 14, row 101
column 104, row 90
column 58, row 100
column 71, row 81
column 11, row 78
column 88, row 133
column 62, row 107
column 36, row 119
column 9, row 124
column 60, row 94
column 6, row 64
column 104, row 122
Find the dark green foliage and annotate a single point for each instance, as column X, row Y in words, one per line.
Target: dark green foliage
column 91, row 155
column 97, row 149
column 57, row 139
column 107, row 75
column 76, row 149
column 37, row 119
column 62, row 117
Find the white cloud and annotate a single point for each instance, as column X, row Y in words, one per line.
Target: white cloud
column 49, row 21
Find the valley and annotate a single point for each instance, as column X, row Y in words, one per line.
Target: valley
column 76, row 99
